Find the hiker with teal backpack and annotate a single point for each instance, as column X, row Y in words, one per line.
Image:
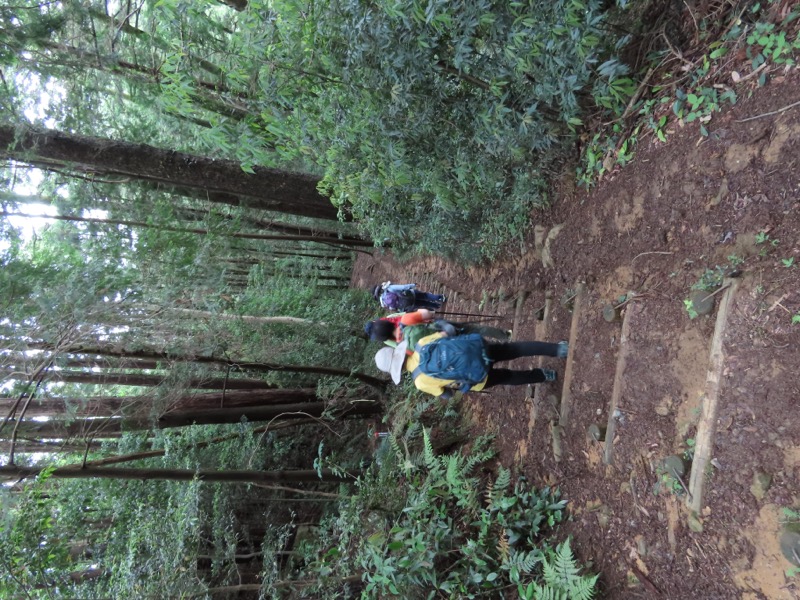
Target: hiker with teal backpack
column 405, row 297
column 442, row 364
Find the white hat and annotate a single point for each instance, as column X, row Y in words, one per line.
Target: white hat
column 390, row 360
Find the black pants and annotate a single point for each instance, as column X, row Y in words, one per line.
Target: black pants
column 499, row 352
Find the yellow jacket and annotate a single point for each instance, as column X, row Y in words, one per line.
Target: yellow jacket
column 431, row 385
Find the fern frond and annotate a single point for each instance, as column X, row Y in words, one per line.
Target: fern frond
column 525, row 561
column 455, row 471
column 549, row 593
column 430, row 455
column 561, row 573
column 490, row 495
column 503, row 548
column 412, row 431
column 394, row 443
column 503, row 479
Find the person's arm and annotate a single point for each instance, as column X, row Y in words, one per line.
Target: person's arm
column 446, row 326
column 431, row 386
column 418, row 317
column 400, row 287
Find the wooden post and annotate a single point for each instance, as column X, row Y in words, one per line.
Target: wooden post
column 616, row 394
column 706, row 429
column 566, row 394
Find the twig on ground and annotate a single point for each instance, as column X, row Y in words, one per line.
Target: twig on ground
column 696, row 28
column 769, row 114
column 715, row 292
column 680, row 480
column 635, row 498
column 653, row 252
column 644, row 580
column 677, row 53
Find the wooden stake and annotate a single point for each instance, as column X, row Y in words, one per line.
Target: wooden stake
column 616, row 394
column 566, row 395
column 706, row 429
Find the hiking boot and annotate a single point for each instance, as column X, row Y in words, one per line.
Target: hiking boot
column 563, row 349
column 550, row 375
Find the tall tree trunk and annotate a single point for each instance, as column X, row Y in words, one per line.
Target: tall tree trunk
column 109, row 406
column 222, row 180
column 243, row 399
column 139, row 379
column 23, row 446
column 259, row 367
column 231, row 476
column 110, row 427
column 123, row 458
column 330, row 241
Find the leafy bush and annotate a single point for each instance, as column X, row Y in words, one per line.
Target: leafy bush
column 438, row 120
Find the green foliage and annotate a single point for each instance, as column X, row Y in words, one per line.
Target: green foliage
column 711, row 279
column 443, row 529
column 688, row 304
column 694, row 93
column 455, row 112
column 561, row 578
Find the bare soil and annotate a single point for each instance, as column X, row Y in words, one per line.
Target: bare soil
column 654, row 227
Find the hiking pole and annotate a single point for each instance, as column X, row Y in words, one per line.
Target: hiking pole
column 464, row 314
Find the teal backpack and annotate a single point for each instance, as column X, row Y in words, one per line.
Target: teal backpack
column 461, row 358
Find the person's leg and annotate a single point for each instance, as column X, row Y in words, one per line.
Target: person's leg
column 428, row 297
column 498, row 352
column 485, row 330
column 423, row 303
column 509, row 377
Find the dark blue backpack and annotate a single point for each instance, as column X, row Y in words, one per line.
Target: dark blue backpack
column 397, row 300
column 461, row 358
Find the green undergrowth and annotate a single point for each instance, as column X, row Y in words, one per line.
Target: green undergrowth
column 675, row 92
column 427, row 525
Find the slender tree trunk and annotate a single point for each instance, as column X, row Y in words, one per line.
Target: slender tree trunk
column 93, row 406
column 230, row 476
column 252, row 236
column 259, row 367
column 25, row 446
column 109, row 406
column 123, row 458
column 243, row 399
column 110, row 427
column 223, row 180
column 137, row 379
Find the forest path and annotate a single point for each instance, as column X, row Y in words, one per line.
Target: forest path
column 687, row 210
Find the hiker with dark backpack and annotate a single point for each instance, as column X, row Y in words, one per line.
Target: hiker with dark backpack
column 404, row 297
column 441, row 364
column 413, row 326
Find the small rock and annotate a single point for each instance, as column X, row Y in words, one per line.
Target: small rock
column 761, row 483
column 603, row 516
column 695, row 524
column 664, row 407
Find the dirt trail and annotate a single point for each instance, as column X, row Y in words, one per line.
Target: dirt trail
column 731, row 200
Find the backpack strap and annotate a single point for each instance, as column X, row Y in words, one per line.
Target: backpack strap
column 416, row 373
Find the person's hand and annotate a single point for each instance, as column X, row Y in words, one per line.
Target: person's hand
column 446, row 326
column 426, row 314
